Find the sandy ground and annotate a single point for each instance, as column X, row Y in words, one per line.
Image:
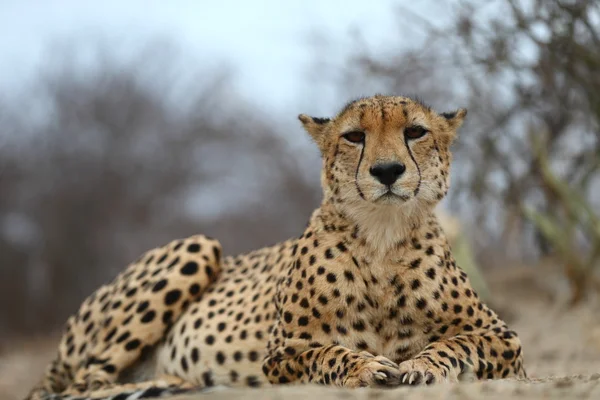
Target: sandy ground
column 561, row 350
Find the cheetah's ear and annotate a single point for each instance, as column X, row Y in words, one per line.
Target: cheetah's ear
column 316, row 128
column 455, row 118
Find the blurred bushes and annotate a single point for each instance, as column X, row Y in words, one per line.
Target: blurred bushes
column 101, row 162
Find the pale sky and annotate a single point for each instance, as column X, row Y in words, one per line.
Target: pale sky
column 266, row 41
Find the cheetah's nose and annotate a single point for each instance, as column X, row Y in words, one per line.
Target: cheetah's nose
column 387, row 173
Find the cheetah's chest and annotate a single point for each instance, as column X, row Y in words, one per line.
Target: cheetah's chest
column 392, row 315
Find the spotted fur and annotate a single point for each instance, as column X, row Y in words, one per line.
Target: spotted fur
column 367, row 295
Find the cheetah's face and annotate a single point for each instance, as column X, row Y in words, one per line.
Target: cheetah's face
column 385, row 150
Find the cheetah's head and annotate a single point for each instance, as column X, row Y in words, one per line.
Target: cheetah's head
column 385, row 152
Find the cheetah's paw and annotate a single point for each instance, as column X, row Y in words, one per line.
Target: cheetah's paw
column 420, row 371
column 373, row 371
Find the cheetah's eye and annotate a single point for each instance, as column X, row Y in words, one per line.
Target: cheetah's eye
column 354, row 136
column 414, row 132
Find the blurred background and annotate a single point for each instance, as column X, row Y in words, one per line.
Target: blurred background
column 125, row 124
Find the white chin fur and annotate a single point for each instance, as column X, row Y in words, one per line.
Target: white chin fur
column 384, row 225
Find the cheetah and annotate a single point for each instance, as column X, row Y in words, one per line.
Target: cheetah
column 368, row 295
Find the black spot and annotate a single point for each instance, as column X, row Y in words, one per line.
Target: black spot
column 190, row 268
column 216, row 253
column 194, row 289
column 132, row 344
column 305, row 336
column 159, row 285
column 148, row 317
column 303, row 321
column 359, row 325
column 89, row 328
column 142, row 306
column 287, row 316
column 207, row 378
column 86, row 316
column 110, row 334
column 349, row 276
column 331, row 278
column 421, row 304
column 129, row 306
column 109, row 368
column 253, row 355
column 431, row 273
column 415, row 284
column 193, row 248
column 123, row 337
column 210, row 339
column 401, row 302
column 184, row 363
column 174, row 262
column 220, row 358
column 195, row 355
column 252, row 381
column 289, row 351
column 172, row 297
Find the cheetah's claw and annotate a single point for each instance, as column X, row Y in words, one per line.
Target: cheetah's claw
column 418, row 372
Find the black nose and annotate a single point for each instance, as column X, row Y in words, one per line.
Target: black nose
column 387, row 173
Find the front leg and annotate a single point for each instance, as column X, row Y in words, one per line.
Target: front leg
column 489, row 355
column 331, row 365
column 300, row 352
